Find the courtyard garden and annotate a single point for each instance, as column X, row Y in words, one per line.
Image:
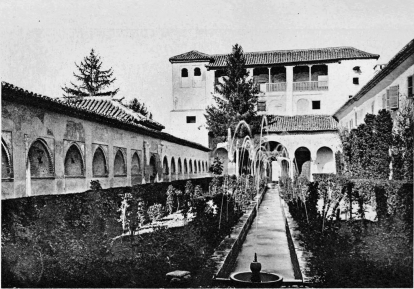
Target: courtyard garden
column 120, row 237
column 358, row 224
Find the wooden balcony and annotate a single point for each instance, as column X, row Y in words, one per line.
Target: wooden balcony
column 310, row 85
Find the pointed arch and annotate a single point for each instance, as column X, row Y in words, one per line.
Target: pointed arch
column 180, row 167
column 99, row 163
column 173, row 170
column 153, row 169
column 190, row 167
column 119, row 164
column 135, row 165
column 185, row 167
column 165, row 168
column 6, row 161
column 74, row 162
column 40, row 159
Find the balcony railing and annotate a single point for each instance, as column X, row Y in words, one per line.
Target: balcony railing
column 310, row 85
column 280, row 86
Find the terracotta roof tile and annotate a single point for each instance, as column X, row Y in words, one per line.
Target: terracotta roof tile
column 109, row 107
column 276, row 57
column 10, row 92
column 193, row 55
column 279, row 123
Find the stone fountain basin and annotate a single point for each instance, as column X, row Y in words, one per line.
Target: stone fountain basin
column 242, row 279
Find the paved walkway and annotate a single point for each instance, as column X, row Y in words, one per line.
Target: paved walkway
column 268, row 240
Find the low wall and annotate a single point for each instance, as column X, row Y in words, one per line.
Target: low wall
column 226, row 253
column 298, row 253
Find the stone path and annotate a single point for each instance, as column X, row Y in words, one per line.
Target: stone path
column 268, row 240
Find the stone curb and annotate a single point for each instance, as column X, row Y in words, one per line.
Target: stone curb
column 226, row 253
column 293, row 239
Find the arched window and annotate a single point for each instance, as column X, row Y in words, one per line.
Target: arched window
column 199, row 167
column 165, row 170
column 185, row 167
column 180, row 168
column 74, row 162
column 190, row 165
column 173, row 166
column 99, row 164
column 6, row 164
column 197, row 71
column 184, row 72
column 40, row 159
column 195, row 166
column 153, row 169
column 135, row 165
column 119, row 164
column 325, row 160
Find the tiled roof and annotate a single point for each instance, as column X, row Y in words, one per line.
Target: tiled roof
column 110, row 107
column 399, row 58
column 279, row 123
column 276, row 57
column 193, row 55
column 12, row 93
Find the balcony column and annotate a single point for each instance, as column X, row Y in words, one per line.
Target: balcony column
column 310, row 73
column 289, row 90
column 270, row 74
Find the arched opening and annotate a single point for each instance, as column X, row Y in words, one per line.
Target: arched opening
column 165, row 169
column 99, row 164
column 153, row 169
column 185, row 167
column 325, row 160
column 119, row 164
column 190, row 166
column 184, row 72
column 74, row 162
column 41, row 164
column 135, row 165
column 197, row 71
column 180, row 167
column 303, row 162
column 6, row 164
column 195, row 166
column 222, row 154
column 173, row 171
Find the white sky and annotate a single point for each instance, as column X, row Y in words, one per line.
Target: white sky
column 41, row 40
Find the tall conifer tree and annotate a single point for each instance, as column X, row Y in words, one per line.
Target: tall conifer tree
column 238, row 97
column 91, row 78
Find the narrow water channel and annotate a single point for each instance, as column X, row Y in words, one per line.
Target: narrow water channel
column 267, row 237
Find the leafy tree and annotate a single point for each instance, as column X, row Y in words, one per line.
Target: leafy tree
column 402, row 153
column 93, row 80
column 217, row 166
column 139, row 107
column 238, row 97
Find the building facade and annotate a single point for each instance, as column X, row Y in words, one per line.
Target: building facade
column 391, row 88
column 299, row 92
column 54, row 147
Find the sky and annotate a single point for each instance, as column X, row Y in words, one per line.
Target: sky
column 40, row 41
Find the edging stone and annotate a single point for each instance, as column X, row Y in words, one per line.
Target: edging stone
column 226, row 253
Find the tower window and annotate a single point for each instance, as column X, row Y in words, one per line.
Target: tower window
column 316, row 104
column 184, row 72
column 355, row 80
column 357, row 69
column 191, row 119
column 197, row 71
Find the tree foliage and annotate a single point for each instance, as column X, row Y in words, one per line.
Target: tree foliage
column 139, row 107
column 92, row 79
column 217, row 166
column 238, row 97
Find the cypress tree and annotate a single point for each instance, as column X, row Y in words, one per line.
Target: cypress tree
column 92, row 79
column 238, row 97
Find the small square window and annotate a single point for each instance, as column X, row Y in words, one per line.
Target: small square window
column 261, row 106
column 316, row 104
column 191, row 119
column 355, row 80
